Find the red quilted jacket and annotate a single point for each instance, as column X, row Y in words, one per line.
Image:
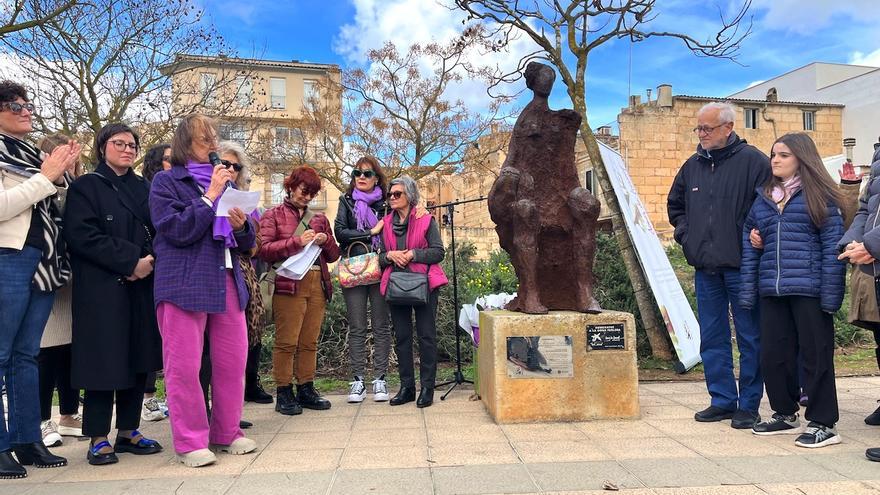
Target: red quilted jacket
column 277, row 228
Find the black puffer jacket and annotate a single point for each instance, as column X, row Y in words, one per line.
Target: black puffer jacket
column 710, row 198
column 345, row 226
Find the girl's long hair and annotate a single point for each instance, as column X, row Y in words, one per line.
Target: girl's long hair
column 818, row 186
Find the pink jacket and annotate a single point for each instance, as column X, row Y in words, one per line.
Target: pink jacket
column 416, row 238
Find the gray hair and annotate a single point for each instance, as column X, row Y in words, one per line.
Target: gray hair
column 242, row 158
column 726, row 112
column 409, row 187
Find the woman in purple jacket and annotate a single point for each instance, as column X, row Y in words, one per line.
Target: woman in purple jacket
column 200, row 293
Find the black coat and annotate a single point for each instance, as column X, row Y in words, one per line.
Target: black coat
column 345, row 227
column 108, row 229
column 710, row 198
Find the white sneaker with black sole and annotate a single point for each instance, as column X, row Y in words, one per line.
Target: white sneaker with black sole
column 357, row 392
column 380, row 390
column 779, row 424
column 817, row 435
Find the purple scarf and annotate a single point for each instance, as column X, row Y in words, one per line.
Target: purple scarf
column 365, row 217
column 202, row 172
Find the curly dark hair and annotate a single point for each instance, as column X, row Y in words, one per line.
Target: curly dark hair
column 11, row 90
column 153, row 161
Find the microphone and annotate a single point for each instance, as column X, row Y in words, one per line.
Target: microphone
column 214, row 158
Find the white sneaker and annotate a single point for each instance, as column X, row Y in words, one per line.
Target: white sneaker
column 72, row 431
column 357, row 392
column 51, row 437
column 152, row 410
column 239, row 446
column 380, row 390
column 197, row 458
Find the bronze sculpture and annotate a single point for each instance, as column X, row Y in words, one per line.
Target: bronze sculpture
column 544, row 219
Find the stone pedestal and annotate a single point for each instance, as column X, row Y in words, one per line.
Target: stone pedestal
column 604, row 382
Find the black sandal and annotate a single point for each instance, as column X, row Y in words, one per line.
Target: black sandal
column 144, row 446
column 96, row 458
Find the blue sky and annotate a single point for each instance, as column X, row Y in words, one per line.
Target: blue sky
column 786, row 34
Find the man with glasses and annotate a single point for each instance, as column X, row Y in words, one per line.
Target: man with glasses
column 709, row 200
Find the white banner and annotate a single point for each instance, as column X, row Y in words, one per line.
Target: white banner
column 684, row 331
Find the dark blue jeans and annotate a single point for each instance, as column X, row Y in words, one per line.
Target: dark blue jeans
column 717, row 293
column 23, row 316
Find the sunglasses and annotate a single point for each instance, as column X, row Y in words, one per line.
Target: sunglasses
column 368, row 174
column 16, row 107
column 395, row 194
column 235, row 166
column 122, row 145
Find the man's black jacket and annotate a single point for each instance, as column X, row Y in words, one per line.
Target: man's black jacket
column 710, row 198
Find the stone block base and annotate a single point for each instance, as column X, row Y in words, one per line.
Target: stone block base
column 603, row 383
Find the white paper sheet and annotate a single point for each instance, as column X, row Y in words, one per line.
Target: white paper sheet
column 298, row 265
column 246, row 201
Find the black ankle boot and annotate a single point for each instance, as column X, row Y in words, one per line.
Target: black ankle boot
column 285, row 401
column 404, row 395
column 37, row 454
column 873, row 419
column 253, row 392
column 10, row 468
column 426, row 397
column 309, row 398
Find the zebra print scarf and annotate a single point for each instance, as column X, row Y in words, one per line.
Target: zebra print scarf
column 53, row 272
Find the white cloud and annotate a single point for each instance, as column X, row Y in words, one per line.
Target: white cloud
column 870, row 59
column 406, row 22
column 755, row 83
column 805, row 16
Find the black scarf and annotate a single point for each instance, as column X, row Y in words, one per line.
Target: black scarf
column 53, row 272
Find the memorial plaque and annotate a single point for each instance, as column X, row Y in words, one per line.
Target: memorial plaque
column 546, row 356
column 602, row 337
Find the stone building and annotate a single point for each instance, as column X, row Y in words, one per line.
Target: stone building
column 656, row 137
column 261, row 105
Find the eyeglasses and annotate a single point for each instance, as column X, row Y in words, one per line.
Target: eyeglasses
column 395, row 194
column 122, row 145
column 704, row 129
column 209, row 139
column 368, row 174
column 305, row 192
column 16, row 107
column 235, row 166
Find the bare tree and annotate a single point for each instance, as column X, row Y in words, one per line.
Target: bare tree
column 399, row 110
column 115, row 60
column 565, row 34
column 19, row 15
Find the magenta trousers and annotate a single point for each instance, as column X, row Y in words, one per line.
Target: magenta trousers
column 183, row 338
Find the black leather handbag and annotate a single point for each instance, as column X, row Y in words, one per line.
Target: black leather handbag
column 406, row 288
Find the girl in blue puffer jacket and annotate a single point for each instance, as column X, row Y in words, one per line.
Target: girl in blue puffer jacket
column 799, row 283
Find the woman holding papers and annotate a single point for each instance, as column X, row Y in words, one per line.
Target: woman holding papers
column 298, row 304
column 109, row 235
column 412, row 243
column 200, row 293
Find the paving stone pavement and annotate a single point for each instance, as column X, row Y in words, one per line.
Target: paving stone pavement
column 454, row 447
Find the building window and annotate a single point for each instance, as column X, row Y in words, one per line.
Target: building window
column 207, row 83
column 277, row 184
column 244, row 91
column 232, row 132
column 310, row 93
column 319, row 202
column 287, row 141
column 277, row 92
column 751, row 118
column 809, row 120
column 588, row 182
